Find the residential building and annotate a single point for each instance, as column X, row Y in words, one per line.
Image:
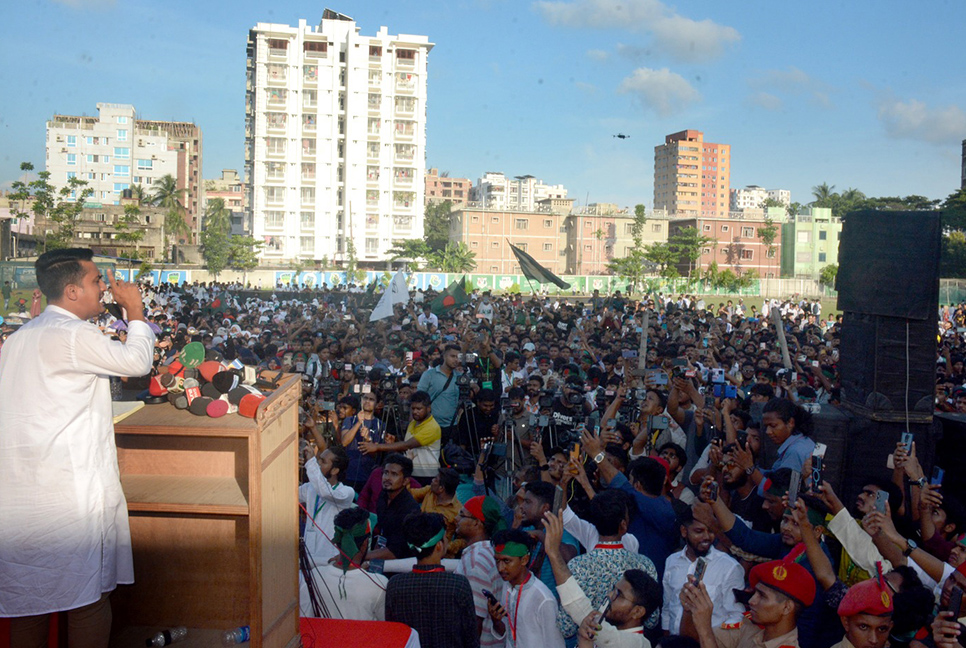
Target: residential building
column 596, row 236
column 541, row 234
column 335, row 139
column 115, row 150
column 736, row 242
column 810, row 241
column 692, row 178
column 751, row 197
column 440, row 188
column 784, row 196
column 521, row 193
column 230, row 188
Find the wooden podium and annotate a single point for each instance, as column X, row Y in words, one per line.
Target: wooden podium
column 213, row 507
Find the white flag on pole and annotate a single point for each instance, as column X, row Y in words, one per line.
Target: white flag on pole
column 396, row 293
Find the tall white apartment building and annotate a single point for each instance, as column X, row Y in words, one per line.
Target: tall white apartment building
column 335, row 139
column 115, row 150
column 521, row 193
column 784, row 196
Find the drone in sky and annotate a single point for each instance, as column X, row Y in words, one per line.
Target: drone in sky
column 622, row 136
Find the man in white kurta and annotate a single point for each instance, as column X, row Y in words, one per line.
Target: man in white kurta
column 64, row 534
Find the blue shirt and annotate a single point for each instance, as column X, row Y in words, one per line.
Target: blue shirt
column 444, row 402
column 655, row 526
column 793, row 453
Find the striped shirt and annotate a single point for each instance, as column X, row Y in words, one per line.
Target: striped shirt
column 478, row 564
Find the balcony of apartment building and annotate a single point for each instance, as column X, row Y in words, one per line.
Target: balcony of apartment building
column 308, row 147
column 405, row 82
column 403, row 175
column 372, row 151
column 274, row 195
column 372, row 199
column 275, row 172
column 308, row 172
column 374, row 128
column 275, row 147
column 310, row 74
column 307, row 221
column 276, row 122
column 277, row 48
column 402, row 224
column 405, row 106
column 307, row 195
column 310, row 99
column 375, row 102
column 315, row 49
column 372, row 222
column 405, row 152
column 309, row 123
column 404, row 200
column 375, row 79
column 404, row 129
column 406, row 58
column 372, row 175
column 276, row 74
column 375, row 56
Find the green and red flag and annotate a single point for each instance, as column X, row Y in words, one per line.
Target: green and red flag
column 453, row 297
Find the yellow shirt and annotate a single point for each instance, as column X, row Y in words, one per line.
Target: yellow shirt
column 747, row 635
column 426, row 456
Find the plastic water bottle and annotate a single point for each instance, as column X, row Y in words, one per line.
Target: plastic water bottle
column 236, row 636
column 166, row 637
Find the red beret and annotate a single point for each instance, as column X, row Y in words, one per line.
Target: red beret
column 789, row 578
column 867, row 597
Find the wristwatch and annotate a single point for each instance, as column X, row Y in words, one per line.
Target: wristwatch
column 918, row 482
column 544, row 467
column 910, row 547
column 750, row 469
column 599, row 457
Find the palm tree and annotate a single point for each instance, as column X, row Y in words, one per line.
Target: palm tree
column 168, row 196
column 139, row 194
column 823, row 193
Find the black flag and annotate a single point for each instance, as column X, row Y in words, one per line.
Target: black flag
column 534, row 271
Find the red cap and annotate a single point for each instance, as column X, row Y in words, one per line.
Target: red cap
column 789, row 578
column 867, row 597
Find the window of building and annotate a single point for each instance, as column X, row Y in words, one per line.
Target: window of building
column 822, row 235
column 495, row 219
column 120, row 186
column 275, row 194
column 656, row 227
column 277, row 47
column 72, row 159
column 71, row 174
column 308, row 220
column 495, row 244
column 725, row 228
column 474, row 244
column 308, row 195
column 406, row 54
column 122, row 170
column 548, row 247
column 770, row 253
column 707, row 227
column 122, row 153
column 804, row 237
column 748, row 231
column 315, row 48
column 121, row 119
column 274, row 219
column 747, row 254
column 547, row 223
column 821, row 257
column 375, row 50
column 803, row 257
column 145, row 165
column 588, row 248
column 521, row 223
column 474, row 219
column 706, row 251
column 121, row 135
column 71, row 140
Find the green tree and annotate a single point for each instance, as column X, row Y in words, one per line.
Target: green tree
column 795, row 208
column 687, row 243
column 455, row 257
column 633, row 268
column 216, row 236
column 53, row 209
column 415, row 251
column 436, row 225
column 243, row 254
column 168, row 197
column 767, row 233
column 352, row 271
column 823, row 195
column 139, row 194
column 298, row 266
column 664, row 257
column 826, row 275
column 129, row 231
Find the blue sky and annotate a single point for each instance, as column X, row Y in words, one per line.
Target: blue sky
column 861, row 94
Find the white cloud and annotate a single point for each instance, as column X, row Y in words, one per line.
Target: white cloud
column 913, row 119
column 766, row 101
column 789, row 83
column 597, row 55
column 663, row 91
column 676, row 35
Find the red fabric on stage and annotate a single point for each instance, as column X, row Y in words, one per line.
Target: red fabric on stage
column 339, row 633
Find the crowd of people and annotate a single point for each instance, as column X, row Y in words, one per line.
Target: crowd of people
column 548, row 471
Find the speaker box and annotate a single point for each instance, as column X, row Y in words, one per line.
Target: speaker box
column 888, row 366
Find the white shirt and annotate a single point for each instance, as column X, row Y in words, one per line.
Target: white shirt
column 323, row 502
column 588, row 536
column 721, row 576
column 578, row 606
column 365, row 594
column 535, row 618
column 64, row 536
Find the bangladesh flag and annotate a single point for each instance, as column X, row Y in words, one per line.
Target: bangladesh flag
column 534, row 271
column 454, row 296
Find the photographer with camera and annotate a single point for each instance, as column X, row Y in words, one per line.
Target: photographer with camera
column 568, row 411
column 479, row 422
